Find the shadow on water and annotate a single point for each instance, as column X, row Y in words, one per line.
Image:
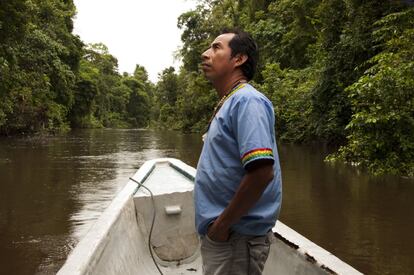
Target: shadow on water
column 53, row 190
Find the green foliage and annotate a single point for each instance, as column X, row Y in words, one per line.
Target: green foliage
column 290, row 91
column 381, row 131
column 48, row 78
column 347, row 43
column 338, row 71
column 106, row 99
column 292, row 26
column 167, row 86
column 138, row 106
column 184, row 101
column 39, row 58
column 196, row 103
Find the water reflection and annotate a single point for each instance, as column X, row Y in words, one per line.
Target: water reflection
column 362, row 219
column 52, row 190
column 107, row 168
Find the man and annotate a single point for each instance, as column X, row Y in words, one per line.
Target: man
column 238, row 188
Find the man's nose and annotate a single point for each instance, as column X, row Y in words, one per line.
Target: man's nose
column 205, row 55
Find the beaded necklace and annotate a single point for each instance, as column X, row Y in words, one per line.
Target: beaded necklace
column 240, row 84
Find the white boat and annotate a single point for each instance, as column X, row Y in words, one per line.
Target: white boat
column 118, row 242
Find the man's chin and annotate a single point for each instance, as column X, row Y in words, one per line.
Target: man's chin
column 208, row 75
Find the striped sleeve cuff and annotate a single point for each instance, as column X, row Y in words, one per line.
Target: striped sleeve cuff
column 259, row 153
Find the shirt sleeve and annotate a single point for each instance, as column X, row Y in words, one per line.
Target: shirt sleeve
column 254, row 130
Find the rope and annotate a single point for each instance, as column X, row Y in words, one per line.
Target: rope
column 152, row 223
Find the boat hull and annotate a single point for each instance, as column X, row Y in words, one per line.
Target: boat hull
column 118, row 242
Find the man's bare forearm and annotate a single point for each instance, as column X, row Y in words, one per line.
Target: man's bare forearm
column 249, row 192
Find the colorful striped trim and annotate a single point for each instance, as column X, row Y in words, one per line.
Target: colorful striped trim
column 259, row 153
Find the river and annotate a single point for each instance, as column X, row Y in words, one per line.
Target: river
column 53, row 189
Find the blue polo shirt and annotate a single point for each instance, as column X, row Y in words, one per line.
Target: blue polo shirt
column 243, row 131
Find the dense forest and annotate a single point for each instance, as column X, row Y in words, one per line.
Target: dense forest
column 51, row 81
column 337, row 71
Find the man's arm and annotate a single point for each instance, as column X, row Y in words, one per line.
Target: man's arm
column 249, row 192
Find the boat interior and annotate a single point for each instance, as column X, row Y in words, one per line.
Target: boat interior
column 118, row 242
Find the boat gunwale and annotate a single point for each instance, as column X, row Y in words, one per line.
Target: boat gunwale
column 312, row 252
column 92, row 245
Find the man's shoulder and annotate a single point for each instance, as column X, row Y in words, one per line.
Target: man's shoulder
column 248, row 92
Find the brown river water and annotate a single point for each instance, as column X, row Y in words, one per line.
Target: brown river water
column 53, row 189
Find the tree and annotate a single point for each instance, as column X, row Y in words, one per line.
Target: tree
column 138, row 106
column 381, row 131
column 316, row 64
column 38, row 62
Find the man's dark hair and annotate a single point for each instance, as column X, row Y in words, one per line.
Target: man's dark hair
column 243, row 43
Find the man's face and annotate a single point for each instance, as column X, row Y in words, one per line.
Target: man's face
column 217, row 61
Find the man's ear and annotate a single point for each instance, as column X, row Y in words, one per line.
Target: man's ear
column 240, row 59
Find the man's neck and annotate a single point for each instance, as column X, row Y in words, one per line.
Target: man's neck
column 224, row 86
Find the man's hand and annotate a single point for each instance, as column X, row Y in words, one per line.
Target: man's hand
column 251, row 188
column 218, row 233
